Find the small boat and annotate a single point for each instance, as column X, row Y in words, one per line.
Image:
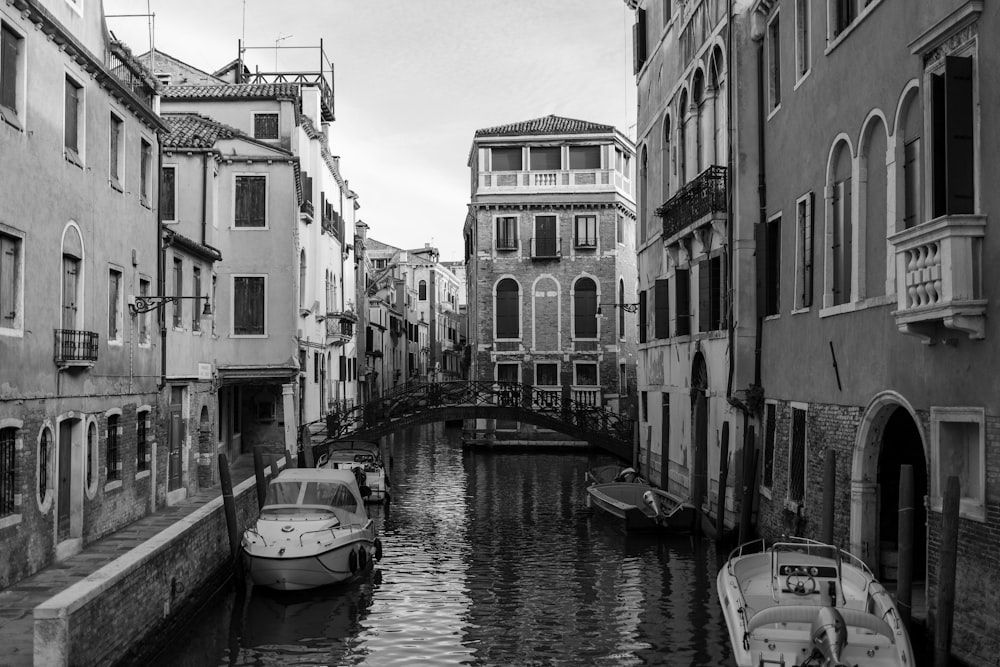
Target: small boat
column 365, row 458
column 313, row 530
column 642, row 507
column 611, row 473
column 802, row 602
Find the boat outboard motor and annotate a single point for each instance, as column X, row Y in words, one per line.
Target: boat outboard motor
column 650, row 499
column 626, row 475
column 829, row 636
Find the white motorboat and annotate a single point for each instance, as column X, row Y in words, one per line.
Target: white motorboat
column 313, row 530
column 639, row 506
column 365, row 458
column 805, row 603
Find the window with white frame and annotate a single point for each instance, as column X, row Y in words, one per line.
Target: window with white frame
column 804, row 251
column 115, row 297
column 953, row 135
column 45, row 454
column 249, row 306
column 10, row 491
column 585, row 231
column 584, row 157
column 767, row 466
column 265, row 126
column 797, row 456
column 506, row 158
column 11, row 74
column 113, row 454
column 178, row 305
column 585, row 374
column 958, row 449
column 545, row 158
column 143, row 428
column 802, row 40
column 73, row 121
column 773, row 63
column 144, row 284
column 145, row 172
column 508, row 309
column 250, row 201
column 585, row 308
column 11, row 277
column 841, row 233
column 506, row 227
column 116, row 151
column 92, row 474
column 168, row 193
column 196, row 292
column 547, row 374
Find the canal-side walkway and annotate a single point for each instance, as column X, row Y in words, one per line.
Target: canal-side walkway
column 18, row 602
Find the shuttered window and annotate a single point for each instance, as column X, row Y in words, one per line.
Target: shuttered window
column 8, row 471
column 710, row 294
column 642, row 316
column 178, row 291
column 10, row 275
column 585, row 232
column 639, row 40
column 661, row 306
column 114, row 150
column 265, row 126
column 145, row 171
column 114, row 301
column 797, row 457
column 9, row 47
column 72, row 116
column 843, row 236
column 141, row 440
column 952, row 119
column 507, row 233
column 251, row 201
column 507, row 298
column 143, row 317
column 585, row 308
column 167, row 193
column 767, row 480
column 805, row 223
column 113, row 460
column 682, row 301
column 248, row 306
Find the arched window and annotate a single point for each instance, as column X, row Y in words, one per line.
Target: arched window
column 422, row 290
column 44, row 463
column 911, row 160
column 621, row 309
column 873, row 187
column 508, row 309
column 585, row 309
column 721, row 124
column 91, row 458
column 665, row 158
column 302, row 279
column 698, row 140
column 682, row 140
column 842, row 225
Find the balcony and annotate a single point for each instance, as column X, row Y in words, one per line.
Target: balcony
column 507, row 243
column 75, row 348
column 589, row 396
column 562, row 181
column 340, row 327
column 546, row 247
column 701, row 200
column 321, row 77
column 939, row 277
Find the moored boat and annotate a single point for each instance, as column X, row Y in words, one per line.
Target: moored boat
column 611, row 473
column 802, row 602
column 363, row 456
column 642, row 507
column 313, row 530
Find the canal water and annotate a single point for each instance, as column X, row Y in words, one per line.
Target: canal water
column 490, row 558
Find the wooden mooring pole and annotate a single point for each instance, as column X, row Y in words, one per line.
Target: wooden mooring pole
column 720, row 511
column 258, row 469
column 829, row 495
column 946, row 573
column 749, row 479
column 904, row 574
column 229, row 505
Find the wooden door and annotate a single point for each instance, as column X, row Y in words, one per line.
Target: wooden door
column 71, row 278
column 175, row 437
column 65, row 463
column 545, row 236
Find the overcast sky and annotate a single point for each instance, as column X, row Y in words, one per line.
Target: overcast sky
column 413, row 81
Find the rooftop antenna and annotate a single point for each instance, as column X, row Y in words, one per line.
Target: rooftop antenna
column 279, row 39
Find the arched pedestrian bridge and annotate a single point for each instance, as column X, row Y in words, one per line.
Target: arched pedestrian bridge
column 415, row 404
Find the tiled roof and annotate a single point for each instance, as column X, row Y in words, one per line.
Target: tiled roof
column 238, row 91
column 191, row 130
column 546, row 125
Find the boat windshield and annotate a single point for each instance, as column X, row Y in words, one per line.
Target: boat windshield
column 308, row 498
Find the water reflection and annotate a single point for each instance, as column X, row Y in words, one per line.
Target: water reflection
column 490, row 559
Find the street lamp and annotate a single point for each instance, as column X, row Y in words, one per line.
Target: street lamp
column 627, row 307
column 144, row 304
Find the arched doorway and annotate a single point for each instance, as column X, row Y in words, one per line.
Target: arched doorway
column 699, row 429
column 889, row 436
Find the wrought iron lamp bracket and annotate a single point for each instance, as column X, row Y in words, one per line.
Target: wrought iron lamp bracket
column 145, row 304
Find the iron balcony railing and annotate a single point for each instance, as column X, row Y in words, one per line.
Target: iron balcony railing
column 74, row 346
column 704, row 195
column 546, row 247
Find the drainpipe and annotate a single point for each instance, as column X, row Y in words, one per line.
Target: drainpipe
column 730, row 164
column 160, row 258
column 758, row 36
column 204, row 198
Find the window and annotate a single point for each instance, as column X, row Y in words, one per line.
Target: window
column 73, row 121
column 586, row 231
column 546, row 243
column 585, row 309
column 843, row 241
column 422, row 290
column 178, row 291
column 142, row 424
column 953, row 137
column 91, row 472
column 507, row 233
column 113, row 455
column 620, row 229
column 958, row 448
column 248, row 306
column 642, row 316
column 10, row 282
column 508, row 309
column 44, row 463
column 586, row 374
column 114, row 305
column 767, row 468
column 621, row 309
column 584, row 157
column 116, row 151
column 145, row 172
column 143, row 317
column 644, row 406
column 639, row 40
column 545, row 158
column 666, row 16
column 661, row 309
column 665, row 158
column 302, row 279
column 168, row 194
column 774, row 64
column 251, row 201
column 11, row 50
column 265, row 126
column 844, row 13
column 710, row 294
column 9, row 491
column 802, row 42
column 196, row 309
column 508, row 372
column 769, row 265
column 547, row 375
column 506, row 158
column 804, row 254
column 682, row 302
column 797, row 456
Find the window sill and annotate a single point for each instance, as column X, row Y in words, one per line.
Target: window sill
column 765, row 492
column 111, row 486
column 801, row 79
column 835, row 42
column 73, row 157
column 142, row 474
column 801, row 311
column 249, row 228
column 248, row 335
column 795, row 507
column 115, row 342
column 10, row 520
column 771, row 318
column 144, row 201
column 839, row 309
column 12, row 332
column 773, row 112
column 9, row 116
column 116, row 185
